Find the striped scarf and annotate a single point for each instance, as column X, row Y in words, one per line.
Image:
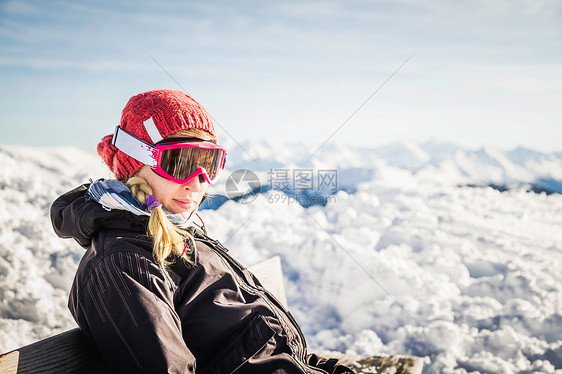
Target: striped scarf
column 113, row 194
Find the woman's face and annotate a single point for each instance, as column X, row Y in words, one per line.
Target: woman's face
column 175, row 197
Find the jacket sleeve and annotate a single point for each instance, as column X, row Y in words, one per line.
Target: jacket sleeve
column 328, row 364
column 126, row 306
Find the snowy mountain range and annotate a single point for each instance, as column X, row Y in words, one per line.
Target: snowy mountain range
column 406, row 255
column 446, row 162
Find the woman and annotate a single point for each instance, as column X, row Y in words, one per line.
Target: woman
column 154, row 292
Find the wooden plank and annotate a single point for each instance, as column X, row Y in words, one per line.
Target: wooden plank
column 9, row 363
column 68, row 352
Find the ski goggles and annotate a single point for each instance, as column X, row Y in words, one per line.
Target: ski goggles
column 179, row 161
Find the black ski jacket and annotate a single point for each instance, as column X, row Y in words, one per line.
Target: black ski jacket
column 212, row 318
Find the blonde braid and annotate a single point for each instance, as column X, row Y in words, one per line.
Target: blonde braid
column 168, row 238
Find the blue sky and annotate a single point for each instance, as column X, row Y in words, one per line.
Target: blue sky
column 480, row 72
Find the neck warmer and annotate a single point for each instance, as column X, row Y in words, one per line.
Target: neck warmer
column 113, row 194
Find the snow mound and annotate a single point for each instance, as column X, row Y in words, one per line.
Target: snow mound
column 406, row 259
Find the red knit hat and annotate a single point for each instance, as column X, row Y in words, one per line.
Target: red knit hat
column 171, row 111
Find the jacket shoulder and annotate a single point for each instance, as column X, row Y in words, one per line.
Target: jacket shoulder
column 126, row 260
column 75, row 215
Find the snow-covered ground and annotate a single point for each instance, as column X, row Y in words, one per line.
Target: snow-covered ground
column 412, row 252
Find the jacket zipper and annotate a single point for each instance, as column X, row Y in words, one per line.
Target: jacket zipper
column 248, row 287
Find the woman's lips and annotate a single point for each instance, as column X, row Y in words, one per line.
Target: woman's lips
column 185, row 203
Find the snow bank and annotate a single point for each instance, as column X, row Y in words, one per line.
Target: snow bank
column 408, row 260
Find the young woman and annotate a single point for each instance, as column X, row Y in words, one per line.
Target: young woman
column 154, row 292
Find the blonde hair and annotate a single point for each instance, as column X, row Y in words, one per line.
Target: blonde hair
column 168, row 238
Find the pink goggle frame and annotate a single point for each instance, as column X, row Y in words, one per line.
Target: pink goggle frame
column 179, row 161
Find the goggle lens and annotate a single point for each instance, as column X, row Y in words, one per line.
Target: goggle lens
column 181, row 163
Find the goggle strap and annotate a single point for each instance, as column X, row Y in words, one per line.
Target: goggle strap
column 152, row 131
column 134, row 147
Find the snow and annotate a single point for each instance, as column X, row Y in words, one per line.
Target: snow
column 406, row 257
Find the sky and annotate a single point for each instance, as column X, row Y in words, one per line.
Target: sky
column 473, row 73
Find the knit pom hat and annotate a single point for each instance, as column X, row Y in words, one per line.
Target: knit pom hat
column 171, row 111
